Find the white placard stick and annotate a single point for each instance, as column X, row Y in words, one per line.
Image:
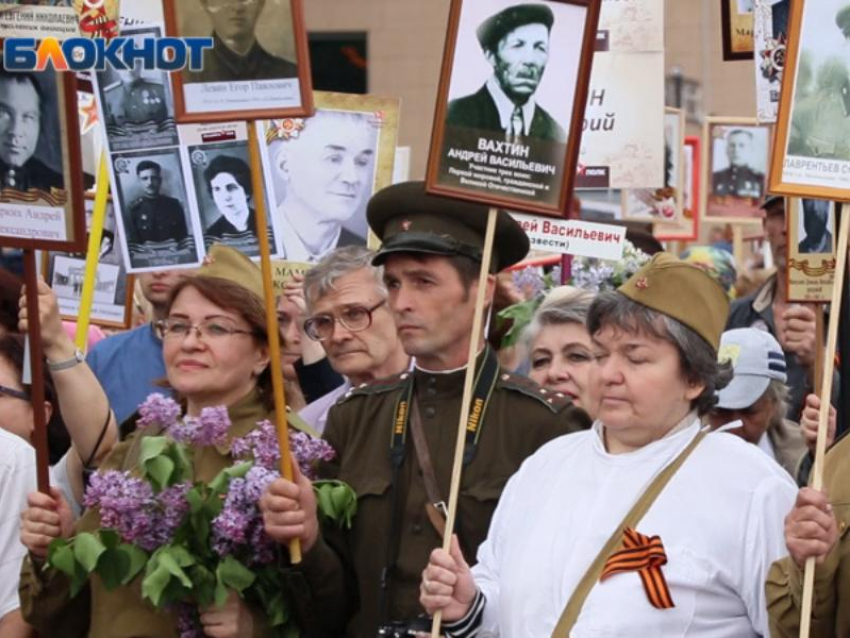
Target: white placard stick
column 825, row 397
column 474, row 339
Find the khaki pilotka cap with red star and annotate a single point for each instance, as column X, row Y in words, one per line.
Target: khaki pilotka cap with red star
column 683, row 292
column 408, row 220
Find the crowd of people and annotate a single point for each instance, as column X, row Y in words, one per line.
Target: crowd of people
column 635, row 462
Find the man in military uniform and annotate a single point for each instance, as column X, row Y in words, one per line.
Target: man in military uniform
column 21, row 110
column 395, row 438
column 515, row 42
column 738, row 180
column 136, row 100
column 236, row 55
column 155, row 217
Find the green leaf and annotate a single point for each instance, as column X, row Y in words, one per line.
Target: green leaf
column 87, row 550
column 336, row 501
column 152, row 447
column 160, row 470
column 60, row 556
column 136, row 559
column 168, row 561
column 234, row 575
column 154, row 584
column 220, row 483
column 109, row 538
column 221, row 593
column 112, row 569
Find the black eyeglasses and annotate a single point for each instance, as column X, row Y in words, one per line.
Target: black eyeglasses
column 353, row 318
column 12, row 392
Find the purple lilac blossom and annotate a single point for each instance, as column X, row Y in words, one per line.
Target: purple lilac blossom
column 208, row 429
column 129, row 506
column 261, row 443
column 158, row 410
column 240, row 523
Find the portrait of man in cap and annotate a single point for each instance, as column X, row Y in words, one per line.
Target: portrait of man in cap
column 515, row 42
column 737, row 178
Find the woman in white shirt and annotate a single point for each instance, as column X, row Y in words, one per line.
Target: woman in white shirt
column 707, row 539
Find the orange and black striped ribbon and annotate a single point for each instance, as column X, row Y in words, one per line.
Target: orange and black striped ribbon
column 645, row 555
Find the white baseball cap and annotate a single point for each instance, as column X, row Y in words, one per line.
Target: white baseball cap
column 756, row 359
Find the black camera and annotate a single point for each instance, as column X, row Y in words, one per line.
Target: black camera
column 395, row 630
column 400, row 629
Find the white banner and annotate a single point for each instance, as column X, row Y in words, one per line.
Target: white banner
column 573, row 237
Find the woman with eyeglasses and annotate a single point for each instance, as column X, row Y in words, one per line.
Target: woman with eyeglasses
column 76, row 414
column 215, row 349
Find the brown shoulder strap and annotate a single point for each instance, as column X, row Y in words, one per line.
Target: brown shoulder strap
column 435, row 508
column 639, row 509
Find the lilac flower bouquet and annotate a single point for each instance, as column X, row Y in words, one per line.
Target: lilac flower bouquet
column 191, row 541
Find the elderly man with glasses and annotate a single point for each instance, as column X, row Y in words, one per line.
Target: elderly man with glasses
column 348, row 314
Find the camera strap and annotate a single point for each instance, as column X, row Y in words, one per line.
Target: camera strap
column 405, row 412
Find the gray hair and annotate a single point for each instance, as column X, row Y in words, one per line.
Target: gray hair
column 697, row 357
column 320, row 279
column 778, row 394
column 557, row 309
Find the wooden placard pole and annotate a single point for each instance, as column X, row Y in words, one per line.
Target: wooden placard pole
column 738, row 244
column 36, row 352
column 92, row 254
column 825, row 398
column 271, row 320
column 469, row 377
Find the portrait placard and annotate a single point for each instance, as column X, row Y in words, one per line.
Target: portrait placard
column 687, row 227
column 259, row 66
column 511, row 102
column 631, row 26
column 736, row 26
column 811, row 249
column 136, row 105
column 622, row 141
column 662, row 204
column 113, row 293
column 220, row 187
column 41, row 186
column 770, row 33
column 735, row 162
column 157, row 229
column 321, row 171
column 811, row 155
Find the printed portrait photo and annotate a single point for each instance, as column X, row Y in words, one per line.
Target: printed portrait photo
column 737, row 165
column 221, row 175
column 510, row 100
column 31, row 148
column 136, row 103
column 253, row 64
column 815, row 228
column 156, row 220
column 322, row 176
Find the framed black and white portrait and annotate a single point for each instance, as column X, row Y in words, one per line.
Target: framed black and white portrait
column 735, row 162
column 321, row 171
column 511, row 102
column 41, row 188
column 137, row 104
column 258, row 66
column 155, row 218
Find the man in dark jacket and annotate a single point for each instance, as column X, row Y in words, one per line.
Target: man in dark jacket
column 394, row 438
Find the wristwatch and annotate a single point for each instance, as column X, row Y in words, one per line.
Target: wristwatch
column 78, row 358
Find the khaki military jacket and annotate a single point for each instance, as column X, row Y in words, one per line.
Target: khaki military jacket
column 121, row 613
column 831, row 609
column 519, row 418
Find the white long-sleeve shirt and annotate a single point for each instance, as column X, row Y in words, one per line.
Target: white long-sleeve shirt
column 720, row 519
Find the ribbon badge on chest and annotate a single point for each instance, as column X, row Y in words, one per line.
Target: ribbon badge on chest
column 644, row 555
